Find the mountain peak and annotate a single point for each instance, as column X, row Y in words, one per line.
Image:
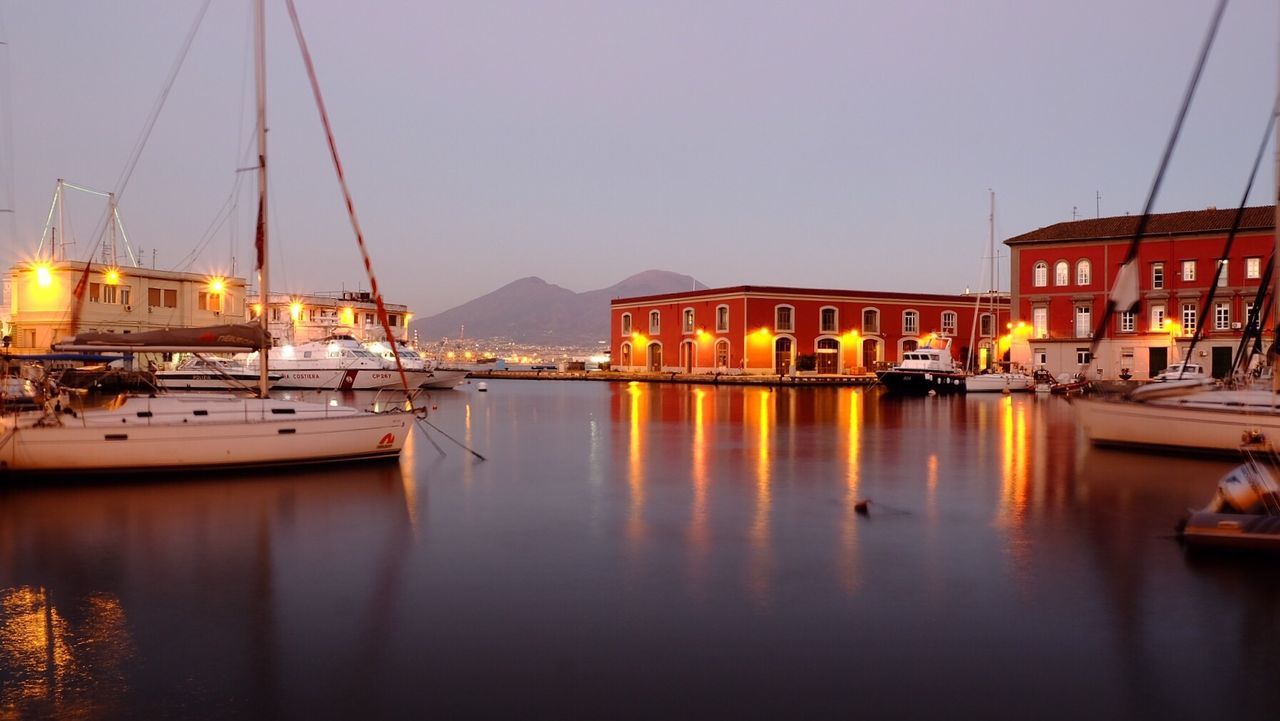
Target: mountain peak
column 531, row 310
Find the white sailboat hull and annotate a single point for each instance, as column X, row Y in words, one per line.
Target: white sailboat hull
column 1215, row 421
column 443, row 380
column 198, row 431
column 998, row 383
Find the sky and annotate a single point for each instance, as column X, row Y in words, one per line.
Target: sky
column 812, row 144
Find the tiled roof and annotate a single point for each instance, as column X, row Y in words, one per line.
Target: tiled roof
column 1187, row 222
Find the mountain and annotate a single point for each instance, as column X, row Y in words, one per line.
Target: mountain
column 531, row 310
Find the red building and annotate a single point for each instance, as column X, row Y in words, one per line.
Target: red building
column 1063, row 274
column 766, row 330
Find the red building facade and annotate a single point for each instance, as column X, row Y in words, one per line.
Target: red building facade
column 767, row 330
column 1063, row 274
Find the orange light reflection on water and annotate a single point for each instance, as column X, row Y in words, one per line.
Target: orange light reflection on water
column 635, row 475
column 1015, row 496
column 761, row 561
column 699, row 535
column 848, row 567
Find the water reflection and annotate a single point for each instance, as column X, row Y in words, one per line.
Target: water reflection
column 848, row 566
column 204, row 579
column 761, row 557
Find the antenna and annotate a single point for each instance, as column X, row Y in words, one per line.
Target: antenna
column 1097, row 204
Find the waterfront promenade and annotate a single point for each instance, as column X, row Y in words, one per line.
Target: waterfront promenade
column 742, row 379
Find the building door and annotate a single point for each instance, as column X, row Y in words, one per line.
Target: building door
column 782, row 356
column 1222, row 357
column 1158, row 360
column 687, row 352
column 828, row 356
column 870, row 354
column 909, row 345
column 655, row 357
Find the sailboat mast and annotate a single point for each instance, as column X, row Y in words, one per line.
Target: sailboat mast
column 260, row 238
column 995, row 283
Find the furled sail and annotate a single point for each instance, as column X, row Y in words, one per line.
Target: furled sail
column 240, row 337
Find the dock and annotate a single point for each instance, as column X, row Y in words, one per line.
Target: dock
column 799, row 380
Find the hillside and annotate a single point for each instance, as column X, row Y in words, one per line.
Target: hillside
column 531, row 310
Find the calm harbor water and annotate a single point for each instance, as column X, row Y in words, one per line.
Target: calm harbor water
column 648, row 551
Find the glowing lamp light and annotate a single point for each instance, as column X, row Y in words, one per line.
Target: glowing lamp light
column 295, row 311
column 257, row 309
column 217, row 285
column 348, row 316
column 111, row 277
column 44, row 275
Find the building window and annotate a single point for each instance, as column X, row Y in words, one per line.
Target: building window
column 1084, row 321
column 626, row 326
column 986, row 325
column 1252, row 268
column 686, row 324
column 1040, row 274
column 1061, row 273
column 1083, row 357
column 1222, row 316
column 392, row 320
column 625, row 359
column 782, row 318
column 722, row 319
column 1188, row 270
column 1157, row 276
column 1157, row 318
column 949, row 322
column 1248, row 316
column 1040, row 322
column 209, row 301
column 95, row 292
column 126, row 295
column 162, row 297
column 1188, row 318
column 1222, row 273
column 722, row 353
column 1040, row 357
column 1083, row 273
column 655, row 322
column 870, row 321
column 1127, row 321
column 827, row 320
column 910, row 323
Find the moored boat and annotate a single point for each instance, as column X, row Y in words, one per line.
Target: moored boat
column 999, row 382
column 1243, row 514
column 929, row 367
column 339, row 362
column 208, row 373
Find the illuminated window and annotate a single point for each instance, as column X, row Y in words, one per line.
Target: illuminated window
column 949, row 322
column 1040, row 322
column 1127, row 321
column 910, row 322
column 626, row 328
column 1157, row 318
column 722, row 319
column 1252, row 268
column 1157, row 275
column 870, row 321
column 1188, row 270
column 1083, row 272
column 1061, row 273
column 1084, row 321
column 722, row 353
column 1221, row 316
column 655, row 322
column 827, row 320
column 209, row 301
column 1188, row 318
column 686, row 323
column 1040, row 274
column 782, row 318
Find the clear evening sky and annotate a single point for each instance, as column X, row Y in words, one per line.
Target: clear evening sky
column 844, row 144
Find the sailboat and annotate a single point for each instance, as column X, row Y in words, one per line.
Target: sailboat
column 200, row 431
column 1186, row 415
column 994, row 380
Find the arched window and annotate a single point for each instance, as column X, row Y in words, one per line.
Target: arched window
column 910, row 322
column 949, row 322
column 1040, row 274
column 686, row 324
column 626, row 324
column 1061, row 273
column 722, row 319
column 828, row 320
column 784, row 318
column 1082, row 273
column 870, row 321
column 655, row 322
column 624, row 357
